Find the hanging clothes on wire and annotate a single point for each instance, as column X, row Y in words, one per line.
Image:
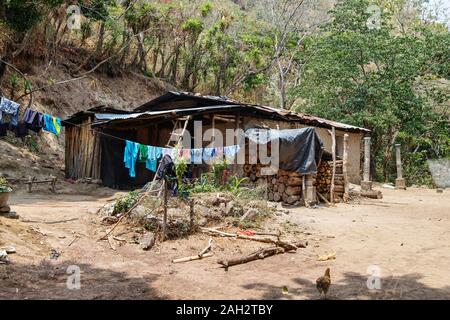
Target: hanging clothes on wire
column 21, row 130
column 3, row 129
column 11, row 108
column 34, row 120
column 52, row 124
column 197, row 156
column 143, row 153
column 230, row 152
column 130, row 156
column 154, row 153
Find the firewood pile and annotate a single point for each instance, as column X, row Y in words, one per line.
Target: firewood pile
column 285, row 186
column 324, row 177
column 253, row 172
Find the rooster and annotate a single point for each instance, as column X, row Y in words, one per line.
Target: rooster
column 323, row 283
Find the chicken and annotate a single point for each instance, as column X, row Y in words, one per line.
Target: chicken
column 323, row 283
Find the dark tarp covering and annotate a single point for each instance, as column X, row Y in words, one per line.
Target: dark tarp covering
column 300, row 149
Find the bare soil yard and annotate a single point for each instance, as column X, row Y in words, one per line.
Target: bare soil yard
column 407, row 235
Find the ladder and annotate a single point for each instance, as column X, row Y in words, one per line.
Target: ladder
column 178, row 138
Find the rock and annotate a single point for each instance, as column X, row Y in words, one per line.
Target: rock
column 204, row 211
column 221, row 198
column 9, row 249
column 251, row 215
column 439, row 190
column 97, row 181
column 10, row 215
column 5, row 209
column 107, row 209
column 234, row 209
column 54, row 254
column 202, row 222
column 148, row 241
column 139, row 212
column 4, row 256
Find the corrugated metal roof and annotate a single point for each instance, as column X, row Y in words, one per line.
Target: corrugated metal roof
column 295, row 116
column 154, row 108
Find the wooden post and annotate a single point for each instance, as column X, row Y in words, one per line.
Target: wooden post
column 333, row 152
column 366, row 184
column 399, row 182
column 165, row 210
column 191, row 215
column 304, row 190
column 236, row 139
column 345, row 168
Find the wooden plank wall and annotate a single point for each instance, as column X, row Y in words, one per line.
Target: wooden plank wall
column 83, row 152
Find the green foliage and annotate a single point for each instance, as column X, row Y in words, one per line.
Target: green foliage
column 126, row 203
column 21, row 15
column 234, row 184
column 368, row 77
column 4, row 186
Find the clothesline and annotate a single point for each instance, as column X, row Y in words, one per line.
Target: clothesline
column 32, row 120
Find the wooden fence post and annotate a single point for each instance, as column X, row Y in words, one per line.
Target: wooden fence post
column 399, row 182
column 345, row 168
column 366, row 184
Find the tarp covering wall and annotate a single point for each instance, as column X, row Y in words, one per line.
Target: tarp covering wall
column 300, row 150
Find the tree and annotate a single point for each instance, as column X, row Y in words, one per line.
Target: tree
column 368, row 77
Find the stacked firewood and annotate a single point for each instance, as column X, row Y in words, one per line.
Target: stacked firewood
column 253, row 171
column 285, row 186
column 324, row 177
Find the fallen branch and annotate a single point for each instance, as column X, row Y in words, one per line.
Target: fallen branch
column 279, row 243
column 192, row 258
column 73, row 240
column 203, row 254
column 260, row 254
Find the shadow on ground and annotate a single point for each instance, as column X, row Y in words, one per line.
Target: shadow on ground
column 354, row 286
column 48, row 280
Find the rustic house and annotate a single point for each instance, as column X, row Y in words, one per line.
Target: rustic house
column 93, row 149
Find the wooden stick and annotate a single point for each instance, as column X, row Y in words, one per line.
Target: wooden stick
column 207, row 248
column 324, row 199
column 345, row 168
column 333, row 151
column 164, row 226
column 191, row 215
column 192, row 258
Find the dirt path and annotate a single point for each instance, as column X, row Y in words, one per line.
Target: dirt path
column 406, row 236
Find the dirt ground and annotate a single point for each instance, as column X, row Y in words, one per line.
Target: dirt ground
column 406, row 236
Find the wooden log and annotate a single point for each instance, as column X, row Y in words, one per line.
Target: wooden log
column 294, row 181
column 372, row 194
column 260, row 254
column 290, row 191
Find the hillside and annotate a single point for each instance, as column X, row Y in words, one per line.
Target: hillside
column 41, row 155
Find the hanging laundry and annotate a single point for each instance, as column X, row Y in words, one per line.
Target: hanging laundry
column 130, row 156
column 231, row 151
column 3, row 129
column 143, row 153
column 154, row 153
column 11, row 108
column 21, row 130
column 52, row 124
column 185, row 153
column 34, row 120
column 208, row 154
column 196, row 156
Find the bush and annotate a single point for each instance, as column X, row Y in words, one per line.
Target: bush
column 4, row 187
column 126, row 203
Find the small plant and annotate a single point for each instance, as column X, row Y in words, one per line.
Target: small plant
column 126, row 203
column 234, row 184
column 4, row 187
column 219, row 169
